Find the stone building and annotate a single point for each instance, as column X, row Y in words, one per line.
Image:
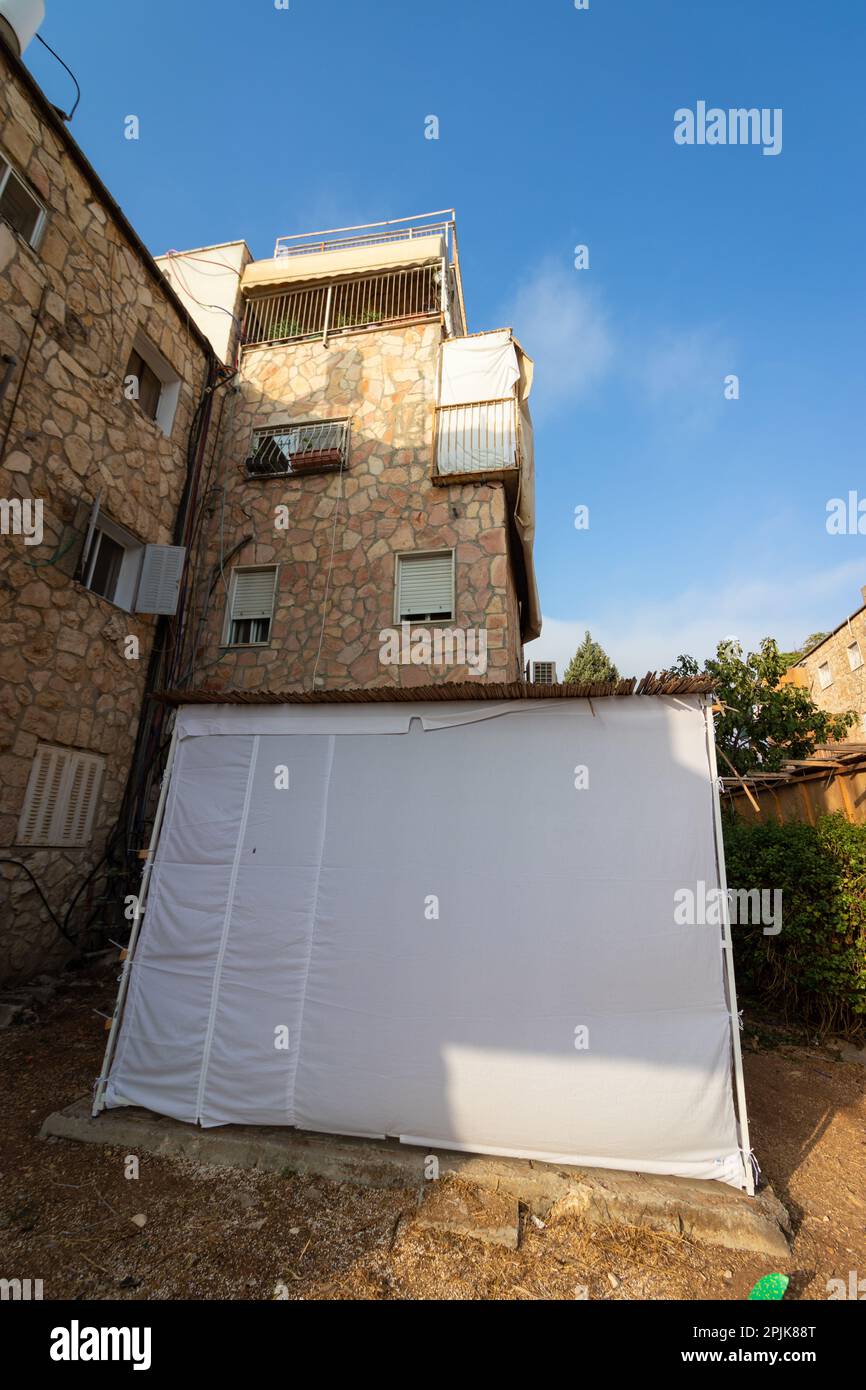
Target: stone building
column 293, row 473
column 101, row 376
column 372, row 522
column 834, row 672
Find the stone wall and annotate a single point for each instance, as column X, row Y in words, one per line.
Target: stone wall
column 337, row 555
column 65, row 678
column 848, row 689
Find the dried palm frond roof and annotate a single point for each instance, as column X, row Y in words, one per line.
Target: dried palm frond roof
column 650, row 684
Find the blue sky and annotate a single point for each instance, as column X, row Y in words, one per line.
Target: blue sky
column 707, row 516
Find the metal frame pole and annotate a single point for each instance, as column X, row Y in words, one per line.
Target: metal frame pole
column 99, row 1097
column 742, row 1115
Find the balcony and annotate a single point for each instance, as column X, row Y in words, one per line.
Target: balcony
column 477, row 440
column 352, row 278
column 320, row 311
column 313, row 446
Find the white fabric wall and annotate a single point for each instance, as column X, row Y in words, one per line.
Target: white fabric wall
column 305, row 908
column 481, row 368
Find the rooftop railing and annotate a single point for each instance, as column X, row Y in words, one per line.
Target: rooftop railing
column 370, row 234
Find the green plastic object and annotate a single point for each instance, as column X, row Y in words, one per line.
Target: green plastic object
column 771, row 1286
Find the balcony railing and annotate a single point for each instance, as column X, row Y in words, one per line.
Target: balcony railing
column 480, row 437
column 368, row 234
column 313, row 446
column 320, row 310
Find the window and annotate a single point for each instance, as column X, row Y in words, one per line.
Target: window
column 824, row 675
column 250, row 607
column 149, row 385
column 152, row 383
column 60, row 802
column 113, row 563
column 425, row 587
column 19, row 206
column 313, row 446
column 855, row 660
column 122, row 569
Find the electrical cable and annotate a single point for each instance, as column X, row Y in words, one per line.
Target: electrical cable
column 71, row 74
column 219, row 308
column 326, row 595
column 36, row 321
column 19, row 864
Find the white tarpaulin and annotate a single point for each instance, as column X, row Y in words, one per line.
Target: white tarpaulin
column 484, row 426
column 410, row 938
column 480, row 368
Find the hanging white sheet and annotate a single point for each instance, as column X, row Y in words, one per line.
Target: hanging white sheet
column 481, row 368
column 410, row 937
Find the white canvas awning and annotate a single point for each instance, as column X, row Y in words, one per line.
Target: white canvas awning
column 427, row 916
column 484, row 426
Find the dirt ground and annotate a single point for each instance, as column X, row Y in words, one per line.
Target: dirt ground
column 70, row 1216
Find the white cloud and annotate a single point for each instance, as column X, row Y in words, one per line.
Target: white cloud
column 682, row 374
column 650, row 635
column 565, row 328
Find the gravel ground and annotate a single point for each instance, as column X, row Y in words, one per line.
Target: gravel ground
column 70, row 1216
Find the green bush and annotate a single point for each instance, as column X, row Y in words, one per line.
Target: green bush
column 815, row 968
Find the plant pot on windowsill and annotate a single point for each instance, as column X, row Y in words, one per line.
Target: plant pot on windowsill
column 316, row 458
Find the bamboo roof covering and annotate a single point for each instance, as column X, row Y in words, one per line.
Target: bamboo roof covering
column 650, row 684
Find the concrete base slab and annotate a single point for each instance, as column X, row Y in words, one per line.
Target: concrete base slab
column 470, row 1211
column 710, row 1212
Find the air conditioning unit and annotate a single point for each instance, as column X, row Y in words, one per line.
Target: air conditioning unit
column 544, row 673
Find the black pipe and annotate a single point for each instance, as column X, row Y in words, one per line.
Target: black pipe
column 36, row 319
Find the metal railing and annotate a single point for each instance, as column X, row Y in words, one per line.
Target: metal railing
column 311, row 446
column 367, row 234
column 480, row 437
column 320, row 310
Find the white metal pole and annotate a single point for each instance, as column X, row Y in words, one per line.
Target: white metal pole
column 328, row 302
column 727, row 943
column 446, row 300
column 99, row 1097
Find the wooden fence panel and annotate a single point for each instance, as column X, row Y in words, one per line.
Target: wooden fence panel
column 803, row 798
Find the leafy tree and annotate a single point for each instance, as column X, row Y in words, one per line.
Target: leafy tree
column 590, row 663
column 789, row 658
column 762, row 724
column 814, row 640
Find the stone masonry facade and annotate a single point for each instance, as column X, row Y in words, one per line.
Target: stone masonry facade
column 73, row 306
column 81, row 296
column 847, row 688
column 337, row 551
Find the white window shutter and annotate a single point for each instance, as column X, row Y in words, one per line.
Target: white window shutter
column 159, row 585
column 61, row 798
column 426, row 585
column 43, row 795
column 79, row 809
column 253, row 594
